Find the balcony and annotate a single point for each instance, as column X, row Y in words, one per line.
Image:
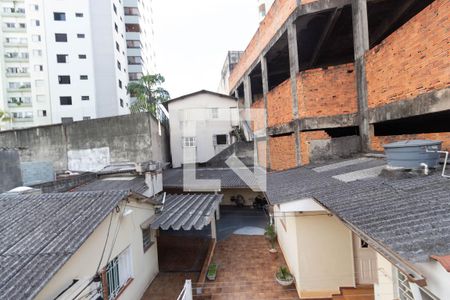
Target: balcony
column 13, row 14
column 9, row 75
column 17, row 59
column 14, row 29
column 15, row 45
column 21, row 89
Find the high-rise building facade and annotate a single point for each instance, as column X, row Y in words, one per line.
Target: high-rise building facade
column 140, row 38
column 64, row 61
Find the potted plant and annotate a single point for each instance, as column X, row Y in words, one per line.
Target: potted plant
column 284, row 277
column 212, row 272
column 271, row 235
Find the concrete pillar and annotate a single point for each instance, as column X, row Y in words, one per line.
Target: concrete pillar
column 360, row 46
column 265, row 85
column 294, row 69
column 218, row 213
column 213, row 228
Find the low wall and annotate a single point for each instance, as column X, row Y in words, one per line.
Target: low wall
column 89, row 145
column 10, row 174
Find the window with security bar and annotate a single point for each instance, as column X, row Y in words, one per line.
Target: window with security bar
column 117, row 274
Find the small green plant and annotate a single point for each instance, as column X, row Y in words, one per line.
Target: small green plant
column 284, row 274
column 271, row 235
column 212, row 271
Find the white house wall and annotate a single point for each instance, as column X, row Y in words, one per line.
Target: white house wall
column 83, row 264
column 196, row 114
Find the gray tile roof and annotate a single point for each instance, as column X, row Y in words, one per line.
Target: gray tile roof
column 136, row 184
column 186, row 211
column 409, row 216
column 173, row 178
column 39, row 233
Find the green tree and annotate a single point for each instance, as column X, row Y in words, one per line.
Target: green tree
column 4, row 117
column 148, row 93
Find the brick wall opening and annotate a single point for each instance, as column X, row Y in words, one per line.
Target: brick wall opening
column 428, row 123
column 278, row 68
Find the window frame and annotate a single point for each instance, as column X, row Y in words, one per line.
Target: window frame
column 58, row 13
column 189, row 142
column 64, row 79
column 69, row 102
column 61, row 37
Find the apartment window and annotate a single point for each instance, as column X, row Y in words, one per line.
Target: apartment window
column 39, row 83
column 134, row 76
column 116, row 27
column 66, row 120
column 22, row 115
column 22, row 25
column 60, row 37
column 65, row 100
column 132, row 28
column 59, row 16
column 119, row 66
column 38, row 68
column 34, row 7
column 81, row 35
column 36, row 38
column 42, row 113
column 121, row 102
column 61, row 58
column 134, row 60
column 117, row 273
column 85, row 98
column 86, row 118
column 36, row 23
column 117, row 46
column 83, row 77
column 220, row 139
column 134, row 44
column 115, row 8
column 147, row 239
column 131, row 11
column 215, row 113
column 189, row 141
column 82, row 56
column 37, row 52
column 120, row 83
column 63, row 79
column 79, row 15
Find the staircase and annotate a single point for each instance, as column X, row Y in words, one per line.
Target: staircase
column 360, row 292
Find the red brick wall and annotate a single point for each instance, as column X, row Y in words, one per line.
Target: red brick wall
column 377, row 142
column 279, row 104
column 282, row 152
column 275, row 18
column 412, row 60
column 257, row 115
column 305, row 138
column 327, row 92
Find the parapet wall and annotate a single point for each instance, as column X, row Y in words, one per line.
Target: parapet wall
column 89, row 145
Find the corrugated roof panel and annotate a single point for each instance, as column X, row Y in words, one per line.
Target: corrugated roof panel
column 186, row 211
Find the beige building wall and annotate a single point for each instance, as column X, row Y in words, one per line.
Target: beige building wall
column 286, row 226
column 326, row 255
column 385, row 288
column 83, row 264
column 318, row 249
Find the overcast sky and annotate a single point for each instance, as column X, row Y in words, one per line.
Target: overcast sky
column 192, row 38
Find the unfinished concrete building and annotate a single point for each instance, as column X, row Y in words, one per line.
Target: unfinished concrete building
column 342, row 76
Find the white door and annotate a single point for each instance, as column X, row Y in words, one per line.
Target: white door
column 365, row 262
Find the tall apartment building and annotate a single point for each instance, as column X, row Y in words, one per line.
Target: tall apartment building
column 70, row 60
column 140, row 38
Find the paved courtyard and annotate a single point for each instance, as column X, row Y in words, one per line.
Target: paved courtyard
column 246, row 271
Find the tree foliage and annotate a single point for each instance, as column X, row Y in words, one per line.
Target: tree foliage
column 148, row 93
column 4, row 117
